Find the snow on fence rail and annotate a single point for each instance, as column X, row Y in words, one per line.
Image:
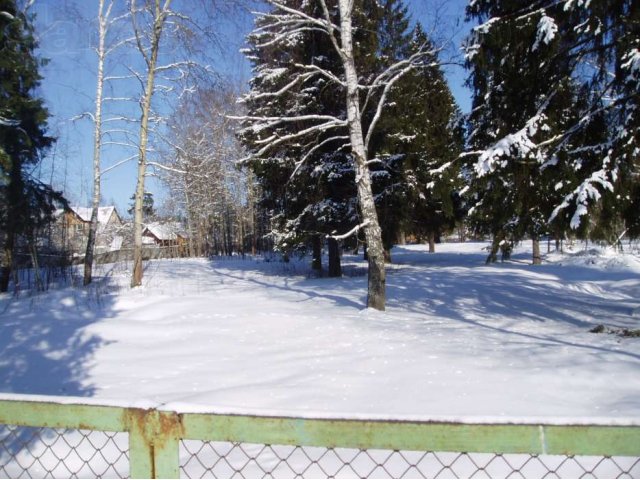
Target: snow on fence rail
column 70, row 438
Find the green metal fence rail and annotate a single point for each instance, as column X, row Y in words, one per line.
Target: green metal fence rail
column 161, row 444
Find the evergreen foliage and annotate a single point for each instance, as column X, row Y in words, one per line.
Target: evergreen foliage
column 26, row 203
column 555, row 120
column 148, row 210
column 309, row 187
column 424, row 135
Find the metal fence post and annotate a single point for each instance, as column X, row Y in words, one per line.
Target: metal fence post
column 167, row 447
column 154, row 439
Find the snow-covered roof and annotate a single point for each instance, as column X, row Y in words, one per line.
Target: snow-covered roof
column 165, row 231
column 84, row 213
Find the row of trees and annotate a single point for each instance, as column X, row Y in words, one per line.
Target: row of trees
column 168, row 42
column 555, row 127
column 348, row 122
column 348, row 108
column 350, row 133
column 215, row 197
column 165, row 59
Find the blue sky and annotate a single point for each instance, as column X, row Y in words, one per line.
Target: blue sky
column 69, row 88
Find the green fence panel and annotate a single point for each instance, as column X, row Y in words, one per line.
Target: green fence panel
column 56, row 415
column 424, row 436
column 155, row 435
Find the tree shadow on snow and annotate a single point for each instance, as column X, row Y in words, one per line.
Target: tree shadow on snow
column 310, row 292
column 45, row 349
column 501, row 298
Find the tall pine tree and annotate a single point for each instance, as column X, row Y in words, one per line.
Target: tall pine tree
column 424, row 137
column 555, row 120
column 516, row 74
column 26, row 202
column 311, row 187
column 304, row 185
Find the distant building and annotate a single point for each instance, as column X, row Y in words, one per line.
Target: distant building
column 72, row 229
column 167, row 234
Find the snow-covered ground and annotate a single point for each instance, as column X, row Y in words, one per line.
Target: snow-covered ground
column 459, row 339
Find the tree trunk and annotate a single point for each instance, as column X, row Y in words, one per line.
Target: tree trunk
column 537, row 258
column 33, row 251
column 462, row 235
column 493, row 253
column 432, row 242
column 136, row 279
column 402, row 238
column 387, row 255
column 229, row 230
column 316, row 261
column 14, row 206
column 97, row 137
column 241, row 234
column 7, row 263
column 505, row 251
column 251, row 204
column 191, row 231
column 335, row 268
column 376, row 297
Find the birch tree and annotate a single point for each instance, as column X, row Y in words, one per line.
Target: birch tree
column 159, row 12
column 201, row 172
column 281, row 28
column 106, row 20
column 171, row 42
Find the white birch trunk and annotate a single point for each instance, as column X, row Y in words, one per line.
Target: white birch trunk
column 159, row 18
column 97, row 141
column 377, row 276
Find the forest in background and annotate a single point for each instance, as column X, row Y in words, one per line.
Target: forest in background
column 349, row 136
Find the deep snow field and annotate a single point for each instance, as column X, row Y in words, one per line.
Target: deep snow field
column 459, row 339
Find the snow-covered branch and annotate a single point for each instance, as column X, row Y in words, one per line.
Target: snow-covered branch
column 7, row 122
column 353, row 231
column 176, row 65
column 282, row 91
column 274, row 141
column 166, row 168
column 322, row 71
column 270, row 122
column 117, row 164
column 82, row 116
column 323, row 24
column 520, row 144
column 314, row 149
column 584, row 193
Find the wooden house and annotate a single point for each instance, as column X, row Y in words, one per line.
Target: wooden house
column 73, row 225
column 168, row 234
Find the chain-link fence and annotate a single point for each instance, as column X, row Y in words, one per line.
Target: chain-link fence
column 239, row 460
column 28, row 452
column 70, row 440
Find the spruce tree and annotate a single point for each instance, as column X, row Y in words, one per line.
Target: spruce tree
column 317, row 197
column 424, row 131
column 522, row 95
column 27, row 203
column 555, row 120
column 308, row 195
